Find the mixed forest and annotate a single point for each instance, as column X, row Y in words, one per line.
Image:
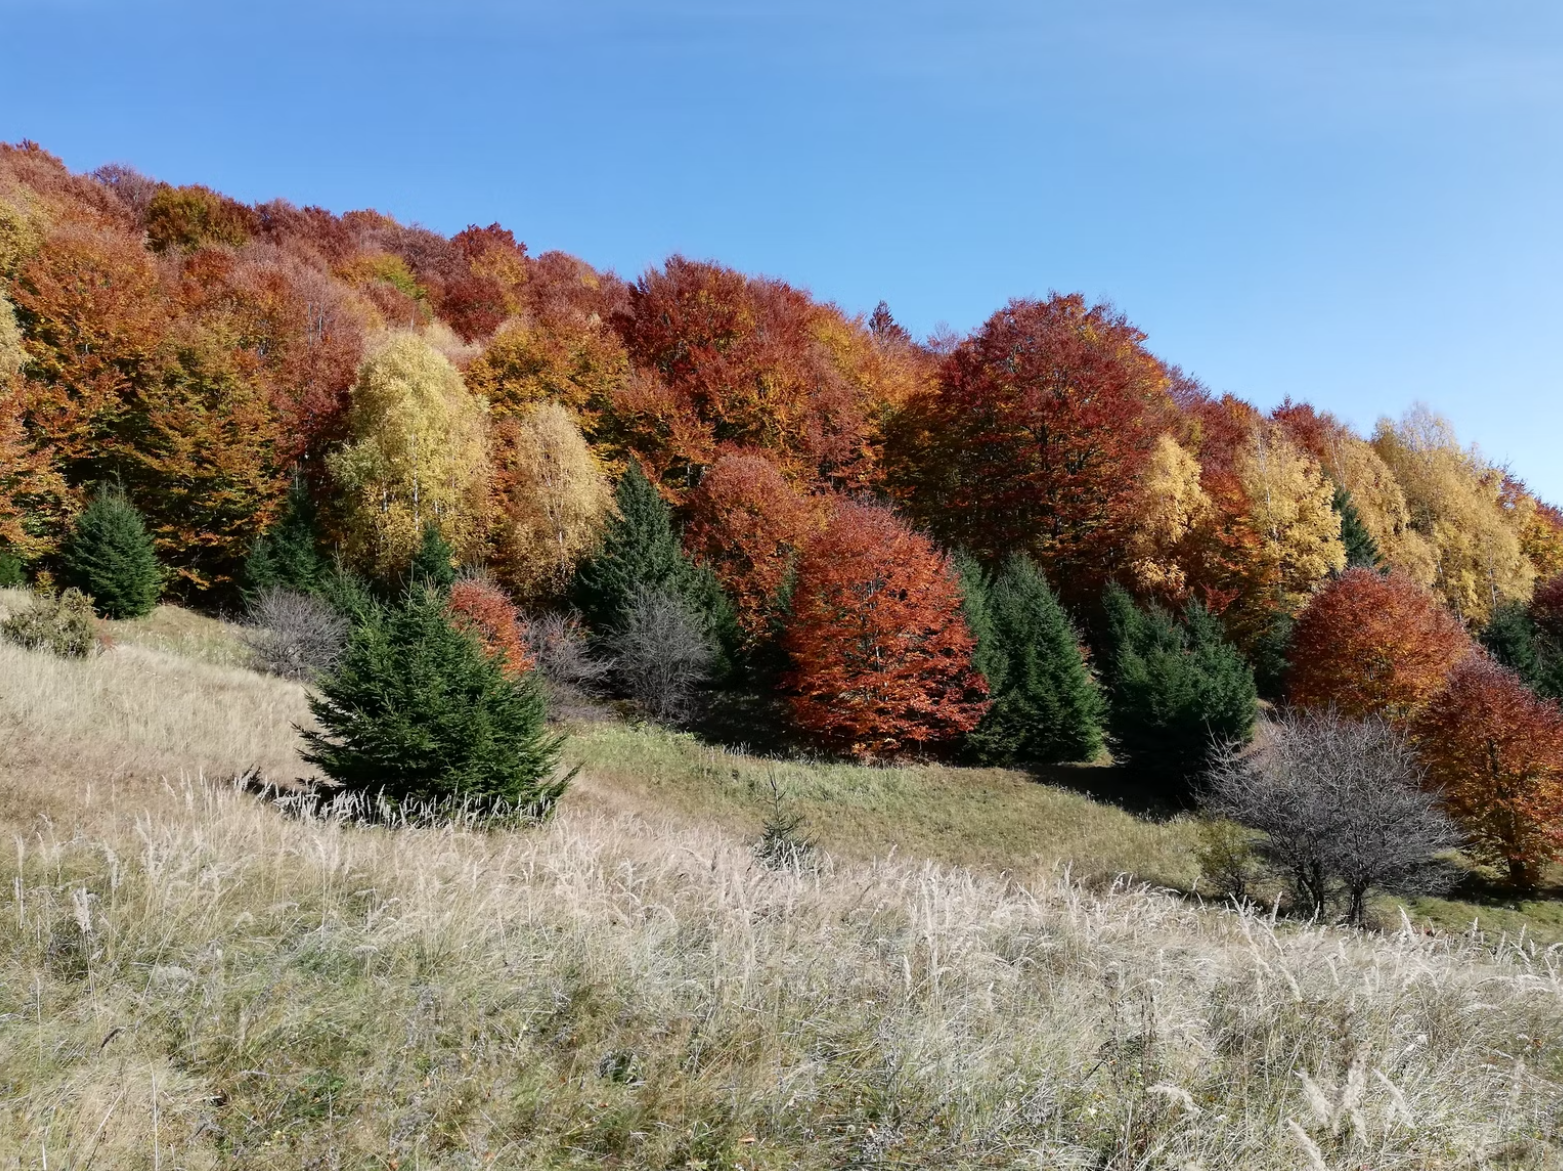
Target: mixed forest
column 439, row 468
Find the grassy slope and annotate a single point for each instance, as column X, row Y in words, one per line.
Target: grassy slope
column 190, row 979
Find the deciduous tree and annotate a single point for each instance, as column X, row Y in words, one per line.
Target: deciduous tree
column 1456, row 503
column 94, row 318
column 1372, row 645
column 487, row 611
column 418, row 456
column 1495, row 753
column 552, row 499
column 747, row 523
column 881, row 653
column 1043, row 426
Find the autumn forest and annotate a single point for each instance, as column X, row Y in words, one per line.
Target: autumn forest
column 1039, row 542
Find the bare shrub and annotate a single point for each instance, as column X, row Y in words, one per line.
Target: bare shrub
column 662, row 654
column 294, row 635
column 61, row 625
column 557, row 643
column 1341, row 807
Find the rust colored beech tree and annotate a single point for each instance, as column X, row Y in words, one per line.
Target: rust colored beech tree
column 1496, row 752
column 727, row 360
column 487, row 611
column 1370, row 645
column 881, row 654
column 747, row 523
column 1036, row 441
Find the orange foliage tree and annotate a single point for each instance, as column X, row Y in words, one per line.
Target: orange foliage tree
column 94, row 318
column 729, row 360
column 487, row 611
column 1495, row 751
column 747, row 523
column 880, row 651
column 1373, row 645
column 1036, row 440
column 199, row 453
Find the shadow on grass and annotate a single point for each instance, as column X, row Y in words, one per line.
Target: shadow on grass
column 1484, row 889
column 1142, row 792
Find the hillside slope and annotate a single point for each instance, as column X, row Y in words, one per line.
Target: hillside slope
column 190, row 978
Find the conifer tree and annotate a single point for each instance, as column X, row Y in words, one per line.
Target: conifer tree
column 641, row 550
column 1046, row 706
column 1511, row 637
column 988, row 657
column 287, row 556
column 109, row 556
column 433, row 565
column 1177, row 689
column 418, row 712
column 1362, row 551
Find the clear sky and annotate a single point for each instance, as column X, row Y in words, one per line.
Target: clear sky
column 1354, row 202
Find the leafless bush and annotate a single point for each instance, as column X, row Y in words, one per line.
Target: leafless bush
column 1341, row 806
column 558, row 645
column 294, row 635
column 662, row 654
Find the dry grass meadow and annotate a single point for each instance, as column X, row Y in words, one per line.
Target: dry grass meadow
column 190, row 978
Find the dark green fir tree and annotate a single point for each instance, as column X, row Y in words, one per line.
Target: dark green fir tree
column 1362, row 550
column 110, row 557
column 434, row 564
column 1046, row 706
column 641, row 550
column 287, row 556
column 1176, row 689
column 417, row 713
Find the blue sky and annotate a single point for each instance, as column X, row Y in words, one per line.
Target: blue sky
column 1355, row 203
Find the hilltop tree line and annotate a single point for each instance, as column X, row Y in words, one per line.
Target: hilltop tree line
column 1029, row 544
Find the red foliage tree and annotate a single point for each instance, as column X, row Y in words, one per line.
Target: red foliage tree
column 742, row 362
column 747, row 523
column 1373, row 645
column 1546, row 606
column 1496, row 753
column 486, row 610
column 881, row 654
column 1036, row 438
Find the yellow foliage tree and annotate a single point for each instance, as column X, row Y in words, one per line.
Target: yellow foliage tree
column 1352, row 462
column 1456, row 502
column 417, row 455
column 580, row 365
column 1540, row 526
column 1170, row 507
column 1290, row 511
column 552, row 498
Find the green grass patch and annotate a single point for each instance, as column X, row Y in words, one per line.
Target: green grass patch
column 988, row 819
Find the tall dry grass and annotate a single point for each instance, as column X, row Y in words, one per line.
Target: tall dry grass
column 191, row 979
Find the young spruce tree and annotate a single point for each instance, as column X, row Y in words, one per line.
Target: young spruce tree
column 419, row 713
column 1362, row 551
column 434, row 564
column 1046, row 706
column 1177, row 689
column 641, row 551
column 110, row 557
column 287, row 556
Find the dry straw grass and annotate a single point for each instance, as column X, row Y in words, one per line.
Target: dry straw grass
column 191, row 979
